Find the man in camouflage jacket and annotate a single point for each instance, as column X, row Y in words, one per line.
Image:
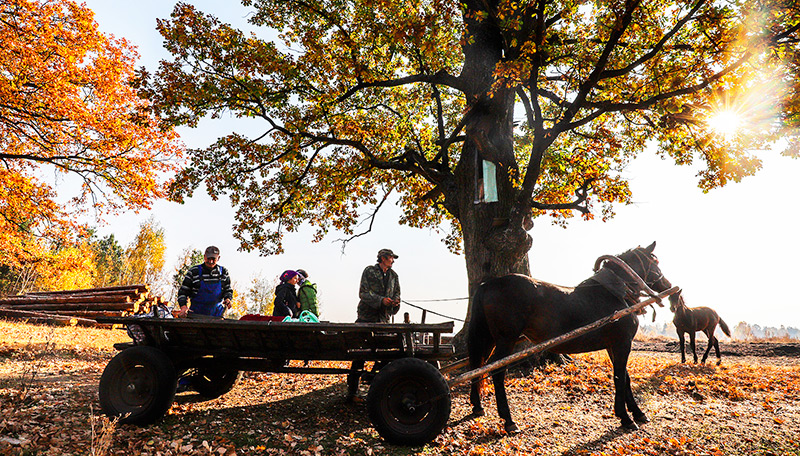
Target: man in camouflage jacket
column 379, row 290
column 379, row 294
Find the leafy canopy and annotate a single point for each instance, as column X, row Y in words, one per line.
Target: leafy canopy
column 66, row 105
column 361, row 99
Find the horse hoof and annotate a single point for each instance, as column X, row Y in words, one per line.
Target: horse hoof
column 641, row 419
column 477, row 411
column 511, row 429
column 630, row 426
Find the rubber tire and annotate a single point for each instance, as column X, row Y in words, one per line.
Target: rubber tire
column 213, row 383
column 138, row 385
column 409, row 380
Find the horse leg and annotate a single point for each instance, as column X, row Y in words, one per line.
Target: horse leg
column 716, row 349
column 619, row 361
column 502, row 350
column 476, row 386
column 682, row 339
column 710, row 344
column 692, row 346
column 638, row 415
column 479, row 346
column 475, row 397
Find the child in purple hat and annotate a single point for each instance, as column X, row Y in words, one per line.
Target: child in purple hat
column 286, row 303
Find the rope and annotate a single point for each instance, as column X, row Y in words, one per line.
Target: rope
column 430, row 311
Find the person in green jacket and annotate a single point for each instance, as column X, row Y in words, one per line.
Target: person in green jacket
column 307, row 294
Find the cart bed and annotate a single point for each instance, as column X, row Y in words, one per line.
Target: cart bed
column 290, row 340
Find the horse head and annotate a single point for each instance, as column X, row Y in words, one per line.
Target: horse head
column 676, row 301
column 645, row 264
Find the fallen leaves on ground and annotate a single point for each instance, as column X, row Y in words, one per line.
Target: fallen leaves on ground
column 48, row 398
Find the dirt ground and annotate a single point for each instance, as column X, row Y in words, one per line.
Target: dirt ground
column 726, row 348
column 750, row 405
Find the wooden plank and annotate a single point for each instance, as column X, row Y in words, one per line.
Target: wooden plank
column 540, row 347
column 454, row 366
column 440, row 328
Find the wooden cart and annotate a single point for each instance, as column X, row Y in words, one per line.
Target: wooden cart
column 408, row 400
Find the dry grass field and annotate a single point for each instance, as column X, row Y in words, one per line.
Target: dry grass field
column 750, row 405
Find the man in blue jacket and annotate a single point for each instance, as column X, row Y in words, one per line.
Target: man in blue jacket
column 207, row 286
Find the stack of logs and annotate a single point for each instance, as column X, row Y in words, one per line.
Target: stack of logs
column 78, row 307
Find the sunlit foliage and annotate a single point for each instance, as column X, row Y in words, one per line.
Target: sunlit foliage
column 67, row 109
column 360, row 100
column 144, row 257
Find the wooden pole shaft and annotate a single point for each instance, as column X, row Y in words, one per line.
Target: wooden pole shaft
column 540, row 347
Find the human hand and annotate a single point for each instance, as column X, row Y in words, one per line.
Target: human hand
column 227, row 302
column 182, row 313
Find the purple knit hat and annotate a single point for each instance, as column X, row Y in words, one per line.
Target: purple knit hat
column 287, row 275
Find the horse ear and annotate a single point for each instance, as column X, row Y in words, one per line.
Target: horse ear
column 651, row 247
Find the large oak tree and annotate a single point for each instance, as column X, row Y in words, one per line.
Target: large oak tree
column 433, row 100
column 67, row 107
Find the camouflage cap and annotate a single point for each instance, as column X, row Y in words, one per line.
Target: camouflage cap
column 386, row 252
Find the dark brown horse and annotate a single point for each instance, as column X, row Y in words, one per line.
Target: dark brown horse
column 508, row 307
column 693, row 319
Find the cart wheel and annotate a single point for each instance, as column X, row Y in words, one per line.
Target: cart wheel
column 409, row 402
column 213, row 383
column 138, row 385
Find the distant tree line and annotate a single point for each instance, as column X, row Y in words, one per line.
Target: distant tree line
column 101, row 261
column 89, row 261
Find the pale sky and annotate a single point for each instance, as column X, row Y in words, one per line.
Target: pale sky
column 734, row 249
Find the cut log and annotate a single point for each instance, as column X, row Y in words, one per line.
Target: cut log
column 127, row 306
column 28, row 300
column 130, row 293
column 87, row 313
column 39, row 317
column 140, row 288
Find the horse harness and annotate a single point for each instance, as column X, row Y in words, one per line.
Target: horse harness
column 621, row 288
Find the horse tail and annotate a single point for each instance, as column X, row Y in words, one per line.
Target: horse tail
column 478, row 335
column 724, row 328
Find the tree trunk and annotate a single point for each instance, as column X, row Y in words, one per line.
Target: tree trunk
column 493, row 245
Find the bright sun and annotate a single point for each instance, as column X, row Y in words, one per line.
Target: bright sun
column 725, row 123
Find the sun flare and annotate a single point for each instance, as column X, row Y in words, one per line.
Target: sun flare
column 726, row 123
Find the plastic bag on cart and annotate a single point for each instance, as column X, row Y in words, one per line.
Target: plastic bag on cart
column 304, row 317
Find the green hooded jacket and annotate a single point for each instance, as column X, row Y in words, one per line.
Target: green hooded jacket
column 307, row 295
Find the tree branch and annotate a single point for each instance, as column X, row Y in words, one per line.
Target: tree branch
column 371, row 219
column 441, row 77
column 582, row 193
column 657, row 47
